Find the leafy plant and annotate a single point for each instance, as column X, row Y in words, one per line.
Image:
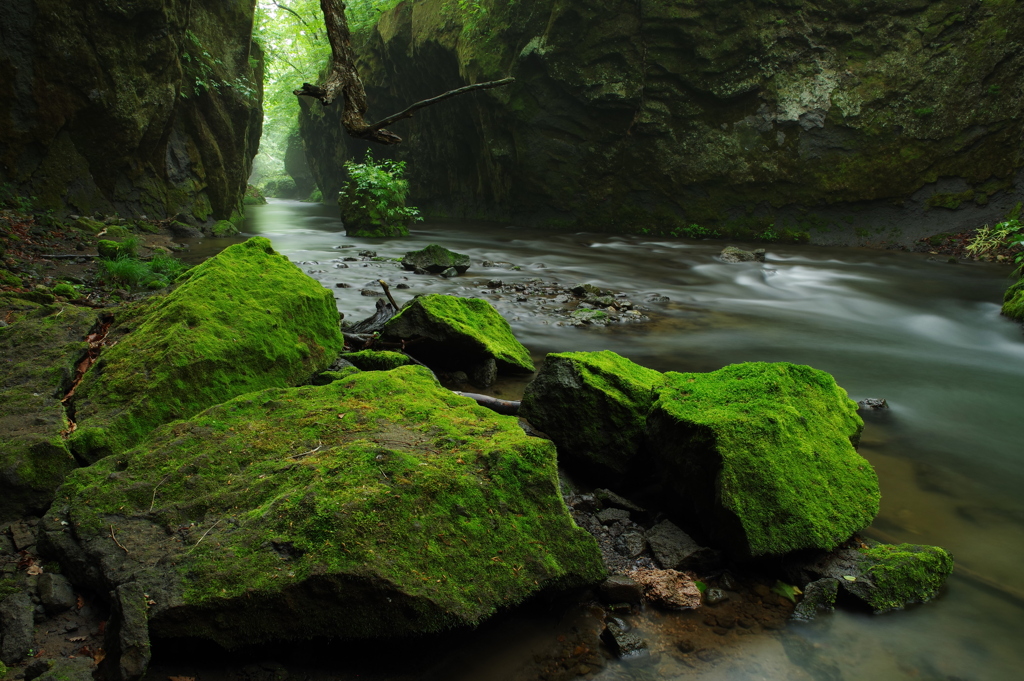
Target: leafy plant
column 696, row 231
column 1004, row 235
column 129, row 271
column 377, row 191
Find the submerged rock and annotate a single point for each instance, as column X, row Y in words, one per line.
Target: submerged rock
column 819, row 596
column 457, row 334
column 761, row 455
column 380, row 505
column 436, row 260
column 42, row 348
column 243, row 320
column 622, row 642
column 732, row 254
column 593, row 405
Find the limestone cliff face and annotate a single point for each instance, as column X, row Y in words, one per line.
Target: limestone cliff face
column 880, row 120
column 137, row 107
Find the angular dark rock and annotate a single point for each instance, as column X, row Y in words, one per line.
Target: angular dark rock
column 819, row 596
column 608, row 516
column 624, row 644
column 676, row 550
column 621, row 589
column 55, row 592
column 16, row 625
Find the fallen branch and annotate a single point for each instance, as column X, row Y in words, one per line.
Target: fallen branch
column 117, row 542
column 387, row 292
column 506, row 407
column 412, row 108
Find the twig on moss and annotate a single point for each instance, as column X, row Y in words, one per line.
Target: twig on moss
column 114, row 537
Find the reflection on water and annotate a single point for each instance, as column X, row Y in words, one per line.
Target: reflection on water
column 925, row 335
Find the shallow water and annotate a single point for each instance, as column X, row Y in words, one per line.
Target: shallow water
column 925, row 335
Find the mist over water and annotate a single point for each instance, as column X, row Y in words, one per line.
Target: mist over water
column 925, row 335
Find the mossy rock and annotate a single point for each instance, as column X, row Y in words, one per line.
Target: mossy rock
column 66, row 290
column 1013, row 302
column 243, row 320
column 88, row 225
column 362, row 216
column 762, row 455
column 118, row 231
column 458, row 334
column 112, row 250
column 379, row 505
column 594, row 406
column 253, row 197
column 223, row 228
column 8, row 278
column 435, row 259
column 376, row 360
column 42, row 349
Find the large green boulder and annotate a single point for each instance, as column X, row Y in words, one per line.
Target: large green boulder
column 435, row 259
column 41, row 351
column 455, row 333
column 762, row 456
column 594, row 406
column 1013, row 302
column 379, row 505
column 244, row 320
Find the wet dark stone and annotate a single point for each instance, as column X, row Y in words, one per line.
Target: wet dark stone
column 610, row 499
column 608, row 516
column 484, row 374
column 630, row 543
column 676, row 550
column 819, row 596
column 55, row 593
column 621, row 589
column 872, row 404
column 622, row 643
column 16, row 619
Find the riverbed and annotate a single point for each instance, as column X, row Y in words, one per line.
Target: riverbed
column 924, row 334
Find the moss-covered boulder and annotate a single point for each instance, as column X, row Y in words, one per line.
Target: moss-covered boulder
column 435, row 259
column 762, row 456
column 376, row 360
column 1013, row 302
column 112, row 250
column 454, row 333
column 40, row 351
column 888, row 576
column 223, row 228
column 594, row 406
column 379, row 505
column 243, row 320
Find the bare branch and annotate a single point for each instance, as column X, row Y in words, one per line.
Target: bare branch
column 408, row 112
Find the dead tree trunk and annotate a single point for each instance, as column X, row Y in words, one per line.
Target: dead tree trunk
column 343, row 81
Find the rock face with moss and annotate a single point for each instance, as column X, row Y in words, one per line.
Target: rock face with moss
column 243, row 320
column 750, row 119
column 1013, row 302
column 594, row 406
column 41, row 350
column 454, row 333
column 762, row 456
column 378, row 505
column 435, row 259
column 137, row 108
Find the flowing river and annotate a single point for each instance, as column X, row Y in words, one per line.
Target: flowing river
column 921, row 333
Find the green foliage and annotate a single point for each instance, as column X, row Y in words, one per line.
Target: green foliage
column 126, row 269
column 201, row 72
column 9, row 198
column 1008, row 234
column 374, row 197
column 696, row 231
column 924, row 112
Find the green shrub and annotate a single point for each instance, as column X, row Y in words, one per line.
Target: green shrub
column 167, row 265
column 1008, row 234
column 373, row 200
column 124, row 271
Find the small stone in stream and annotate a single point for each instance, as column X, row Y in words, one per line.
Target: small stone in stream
column 402, row 286
column 620, row 589
column 656, row 298
column 819, row 596
column 872, row 404
column 368, row 292
column 350, row 259
column 611, row 515
column 714, row 596
column 484, row 374
column 459, row 376
column 341, row 266
column 368, row 254
column 55, row 593
column 622, row 643
column 610, row 499
column 436, row 259
column 676, row 550
column 342, row 284
column 450, row 272
column 732, row 255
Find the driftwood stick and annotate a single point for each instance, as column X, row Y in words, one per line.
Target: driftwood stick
column 387, row 292
column 412, row 108
column 506, row 407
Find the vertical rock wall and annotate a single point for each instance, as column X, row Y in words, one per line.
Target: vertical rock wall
column 136, row 107
column 876, row 121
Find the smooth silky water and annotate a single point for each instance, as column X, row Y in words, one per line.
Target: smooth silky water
column 923, row 334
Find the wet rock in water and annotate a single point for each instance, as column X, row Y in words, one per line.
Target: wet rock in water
column 335, row 473
column 819, row 596
column 450, row 272
column 593, row 405
column 588, row 317
column 55, row 593
column 676, row 550
column 713, row 596
column 887, row 576
column 732, row 254
column 484, row 374
column 244, row 320
column 435, row 260
column 16, row 624
column 369, row 292
column 179, row 230
column 458, row 334
column 711, row 435
column 872, row 404
column 368, row 253
column 376, row 360
column 621, row 589
column 34, row 456
column 622, row 643
column 668, row 588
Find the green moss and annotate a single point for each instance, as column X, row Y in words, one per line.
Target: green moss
column 470, row 327
column 223, row 228
column 66, row 290
column 950, row 201
column 594, row 406
column 1013, row 302
column 588, row 316
column 406, row 507
column 88, row 225
column 243, row 320
column 118, row 232
column 376, row 360
column 10, row 279
column 903, row 574
column 764, row 453
column 435, row 259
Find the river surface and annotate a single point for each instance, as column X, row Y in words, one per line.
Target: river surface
column 921, row 333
